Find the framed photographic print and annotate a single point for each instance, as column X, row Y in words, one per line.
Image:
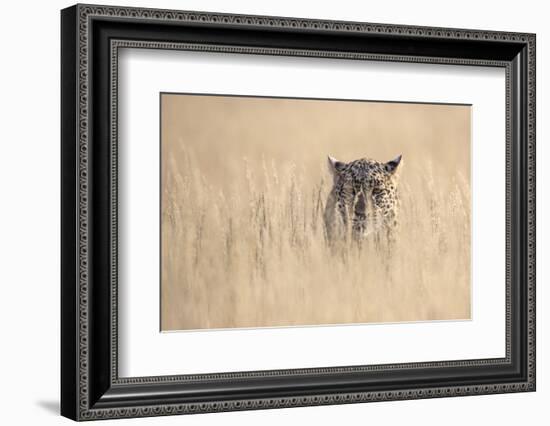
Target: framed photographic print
column 263, row 212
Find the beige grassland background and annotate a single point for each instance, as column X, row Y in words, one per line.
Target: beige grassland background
column 244, row 183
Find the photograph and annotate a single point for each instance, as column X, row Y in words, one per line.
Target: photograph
column 281, row 212
column 261, row 209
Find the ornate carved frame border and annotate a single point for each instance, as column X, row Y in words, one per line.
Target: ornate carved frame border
column 91, row 388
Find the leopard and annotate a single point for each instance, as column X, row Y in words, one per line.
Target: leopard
column 364, row 199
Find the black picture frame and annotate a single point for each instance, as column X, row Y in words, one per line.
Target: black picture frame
column 90, row 38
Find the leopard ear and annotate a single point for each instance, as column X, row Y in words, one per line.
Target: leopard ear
column 393, row 165
column 334, row 165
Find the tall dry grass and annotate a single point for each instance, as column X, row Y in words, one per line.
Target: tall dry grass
column 252, row 252
column 258, row 256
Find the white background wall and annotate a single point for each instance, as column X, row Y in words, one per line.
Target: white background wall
column 29, row 211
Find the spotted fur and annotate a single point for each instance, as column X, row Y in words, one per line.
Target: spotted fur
column 364, row 198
